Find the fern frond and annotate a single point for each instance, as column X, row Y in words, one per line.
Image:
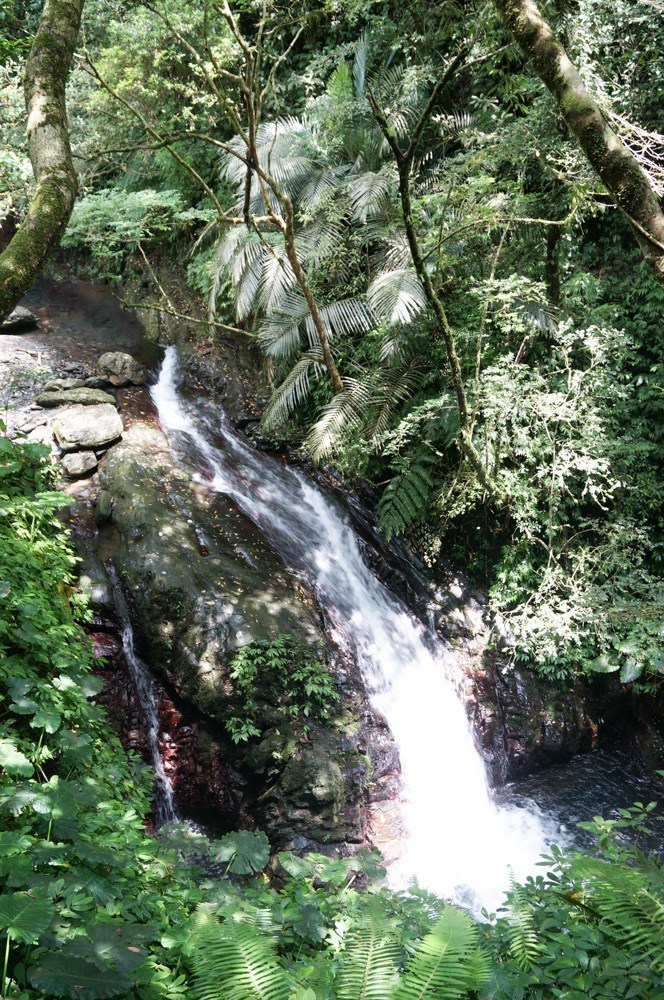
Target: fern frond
column 235, row 961
column 447, row 964
column 367, row 968
column 630, row 906
column 521, row 927
column 405, row 497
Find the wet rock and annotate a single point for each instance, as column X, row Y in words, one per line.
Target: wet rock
column 122, row 369
column 59, row 384
column 103, row 508
column 87, row 427
column 79, row 463
column 524, row 723
column 82, row 396
column 93, row 581
column 193, row 610
column 98, row 382
column 19, row 321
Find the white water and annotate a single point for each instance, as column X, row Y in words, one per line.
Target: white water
column 459, row 844
column 164, row 807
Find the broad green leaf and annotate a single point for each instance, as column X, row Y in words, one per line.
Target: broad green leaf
column 13, row 843
column 24, row 916
column 48, row 719
column 603, row 665
column 13, row 761
column 64, row 976
column 309, row 924
column 247, row 851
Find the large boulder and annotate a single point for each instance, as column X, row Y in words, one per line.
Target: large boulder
column 80, row 396
column 202, row 582
column 87, row 427
column 122, row 369
column 19, row 321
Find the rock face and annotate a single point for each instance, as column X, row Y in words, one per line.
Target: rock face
column 81, row 396
column 18, row 321
column 199, row 593
column 122, row 369
column 79, row 463
column 87, row 427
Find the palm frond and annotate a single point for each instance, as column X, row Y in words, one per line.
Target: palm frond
column 293, row 391
column 343, row 318
column 342, row 413
column 360, row 66
column 370, row 192
column 281, row 334
column 396, row 384
column 397, row 296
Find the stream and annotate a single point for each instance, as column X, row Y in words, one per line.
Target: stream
column 459, row 843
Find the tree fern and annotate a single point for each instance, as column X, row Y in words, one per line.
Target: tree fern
column 447, row 964
column 367, row 968
column 405, row 498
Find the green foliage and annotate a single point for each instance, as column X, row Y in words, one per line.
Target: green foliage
column 591, row 927
column 111, row 225
column 404, row 500
column 275, row 679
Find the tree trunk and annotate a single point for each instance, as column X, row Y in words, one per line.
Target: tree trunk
column 610, row 158
column 44, row 81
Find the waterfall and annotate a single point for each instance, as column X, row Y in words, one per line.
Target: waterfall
column 459, row 843
column 164, row 808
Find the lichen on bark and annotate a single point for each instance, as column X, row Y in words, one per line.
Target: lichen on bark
column 617, row 167
column 44, row 81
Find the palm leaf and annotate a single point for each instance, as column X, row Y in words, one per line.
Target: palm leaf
column 342, row 413
column 397, row 296
column 293, row 391
column 370, row 192
column 405, row 497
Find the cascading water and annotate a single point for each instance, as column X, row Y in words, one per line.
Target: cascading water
column 164, row 807
column 459, row 843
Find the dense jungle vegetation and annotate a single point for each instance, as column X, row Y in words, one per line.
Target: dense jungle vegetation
column 452, row 304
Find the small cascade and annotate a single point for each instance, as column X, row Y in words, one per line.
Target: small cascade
column 460, row 844
column 164, row 808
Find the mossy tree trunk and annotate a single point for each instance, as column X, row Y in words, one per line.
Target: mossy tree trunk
column 619, row 170
column 44, row 81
